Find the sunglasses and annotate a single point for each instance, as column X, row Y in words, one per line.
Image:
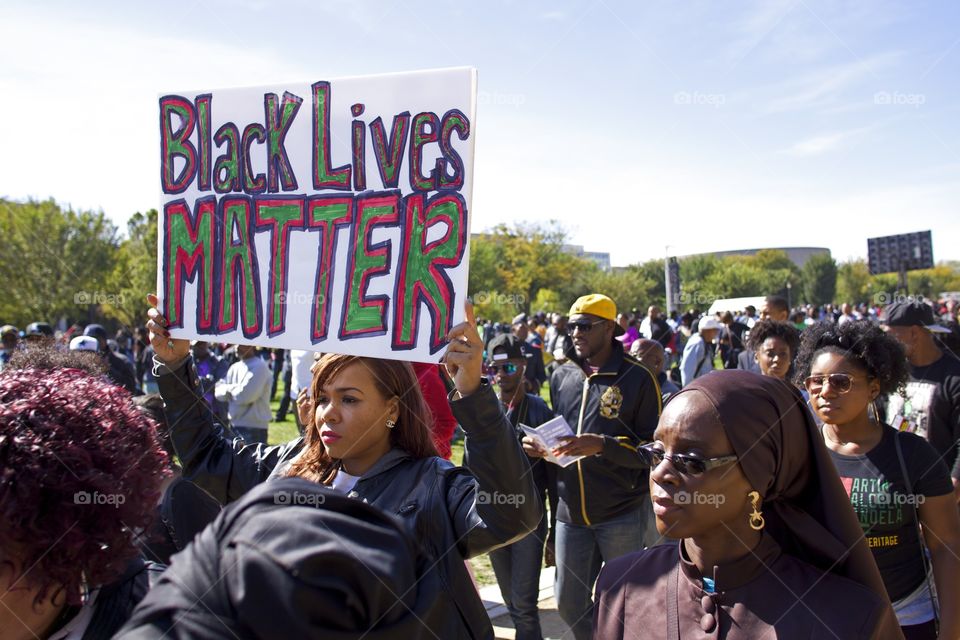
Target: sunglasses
column 687, row 465
column 839, row 382
column 507, row 368
column 583, row 327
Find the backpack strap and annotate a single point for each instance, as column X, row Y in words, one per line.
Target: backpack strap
column 916, row 523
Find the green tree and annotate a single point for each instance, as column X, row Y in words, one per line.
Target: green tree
column 853, row 282
column 736, row 277
column 135, row 273
column 484, row 252
column 547, row 300
column 652, row 272
column 932, row 282
column 55, row 261
column 515, row 262
column 819, row 279
column 695, row 291
column 626, row 287
column 775, row 270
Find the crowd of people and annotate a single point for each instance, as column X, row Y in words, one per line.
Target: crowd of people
column 790, row 472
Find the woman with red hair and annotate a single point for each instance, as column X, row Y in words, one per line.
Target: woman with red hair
column 80, row 472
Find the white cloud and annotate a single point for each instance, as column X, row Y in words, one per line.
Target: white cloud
column 823, row 87
column 554, row 16
column 823, row 143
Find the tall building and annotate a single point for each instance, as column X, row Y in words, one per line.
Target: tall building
column 797, row 255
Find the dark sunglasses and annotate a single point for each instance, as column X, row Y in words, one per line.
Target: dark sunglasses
column 839, row 382
column 687, row 465
column 583, row 327
column 507, row 368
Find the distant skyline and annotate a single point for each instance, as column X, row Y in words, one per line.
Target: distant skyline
column 644, row 129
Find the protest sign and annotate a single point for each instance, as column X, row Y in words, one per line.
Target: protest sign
column 331, row 216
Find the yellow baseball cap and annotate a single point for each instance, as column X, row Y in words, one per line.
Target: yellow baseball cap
column 596, row 304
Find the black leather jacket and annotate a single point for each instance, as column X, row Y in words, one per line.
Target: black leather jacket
column 115, row 602
column 622, row 402
column 456, row 512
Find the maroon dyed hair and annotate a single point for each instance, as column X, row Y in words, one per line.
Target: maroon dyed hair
column 80, row 467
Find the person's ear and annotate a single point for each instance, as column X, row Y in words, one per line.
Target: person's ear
column 393, row 408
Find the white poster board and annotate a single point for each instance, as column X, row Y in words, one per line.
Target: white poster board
column 330, row 216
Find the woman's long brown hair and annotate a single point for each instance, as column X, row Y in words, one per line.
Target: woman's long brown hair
column 393, row 378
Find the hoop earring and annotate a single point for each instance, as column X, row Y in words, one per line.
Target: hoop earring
column 391, row 424
column 872, row 414
column 756, row 518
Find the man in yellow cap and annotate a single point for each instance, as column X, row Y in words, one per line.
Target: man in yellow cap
column 613, row 404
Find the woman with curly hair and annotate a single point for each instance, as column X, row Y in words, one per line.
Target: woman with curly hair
column 899, row 487
column 368, row 436
column 774, row 345
column 80, row 472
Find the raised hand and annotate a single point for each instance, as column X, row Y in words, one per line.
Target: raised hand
column 168, row 350
column 464, row 355
column 305, row 408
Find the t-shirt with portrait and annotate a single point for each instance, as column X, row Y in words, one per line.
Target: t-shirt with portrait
column 886, row 510
column 930, row 407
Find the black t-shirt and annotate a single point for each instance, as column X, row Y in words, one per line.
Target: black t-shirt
column 884, row 507
column 930, row 407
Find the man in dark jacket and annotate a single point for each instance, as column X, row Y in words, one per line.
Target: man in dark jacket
column 534, row 373
column 650, row 354
column 120, row 370
column 613, row 404
column 517, row 566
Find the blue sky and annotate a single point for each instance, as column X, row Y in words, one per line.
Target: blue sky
column 638, row 125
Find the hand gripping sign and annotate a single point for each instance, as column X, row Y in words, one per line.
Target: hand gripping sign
column 331, row 216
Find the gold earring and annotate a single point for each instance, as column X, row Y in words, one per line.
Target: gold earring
column 391, row 424
column 756, row 518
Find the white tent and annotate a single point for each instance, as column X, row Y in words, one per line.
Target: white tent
column 735, row 305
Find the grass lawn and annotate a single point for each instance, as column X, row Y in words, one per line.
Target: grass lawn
column 280, row 432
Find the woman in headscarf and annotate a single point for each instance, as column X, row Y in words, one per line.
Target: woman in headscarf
column 768, row 543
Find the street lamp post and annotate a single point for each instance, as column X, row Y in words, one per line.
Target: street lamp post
column 789, row 301
column 666, row 279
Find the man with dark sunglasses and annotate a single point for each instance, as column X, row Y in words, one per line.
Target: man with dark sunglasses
column 612, row 402
column 517, row 565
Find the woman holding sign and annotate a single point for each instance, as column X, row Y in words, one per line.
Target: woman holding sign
column 370, row 438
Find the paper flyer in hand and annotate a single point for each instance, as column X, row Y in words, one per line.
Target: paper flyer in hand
column 547, row 436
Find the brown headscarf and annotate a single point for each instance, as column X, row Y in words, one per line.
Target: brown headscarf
column 783, row 456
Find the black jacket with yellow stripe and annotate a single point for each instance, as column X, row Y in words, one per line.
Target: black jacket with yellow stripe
column 621, row 402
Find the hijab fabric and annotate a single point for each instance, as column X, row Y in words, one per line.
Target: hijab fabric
column 783, row 456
